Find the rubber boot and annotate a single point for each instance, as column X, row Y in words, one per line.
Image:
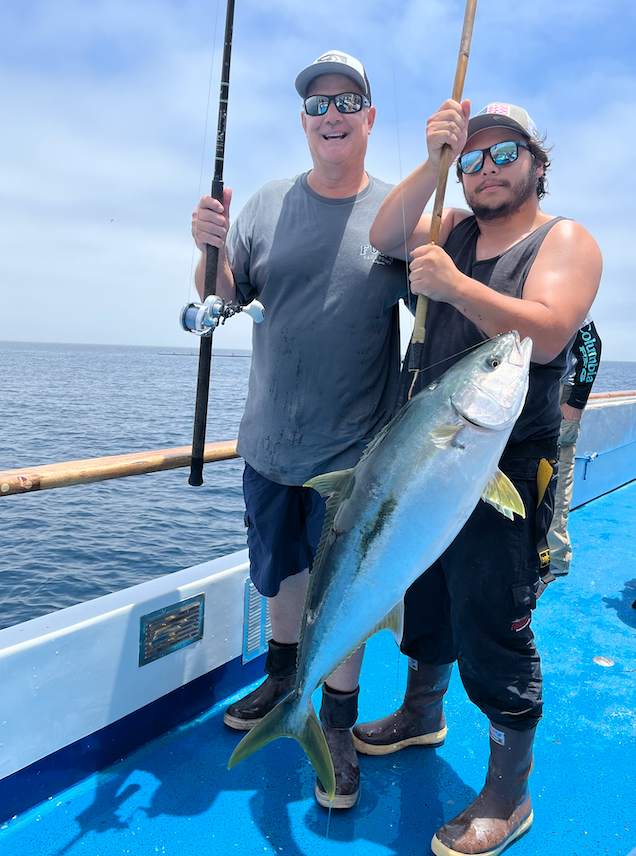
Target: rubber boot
column 502, row 812
column 280, row 667
column 419, row 722
column 338, row 713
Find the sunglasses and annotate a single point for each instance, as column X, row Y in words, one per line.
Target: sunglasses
column 501, row 153
column 346, row 102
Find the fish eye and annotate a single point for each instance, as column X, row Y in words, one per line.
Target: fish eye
column 493, row 362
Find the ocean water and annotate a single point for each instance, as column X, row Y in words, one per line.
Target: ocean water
column 68, row 402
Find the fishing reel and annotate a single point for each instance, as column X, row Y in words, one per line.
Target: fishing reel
column 202, row 319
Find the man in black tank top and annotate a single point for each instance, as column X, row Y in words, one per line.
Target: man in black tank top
column 508, row 266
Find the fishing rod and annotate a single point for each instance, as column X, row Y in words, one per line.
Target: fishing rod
column 211, row 265
column 419, row 327
column 203, row 318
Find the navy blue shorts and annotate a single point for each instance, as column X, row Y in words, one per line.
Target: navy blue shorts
column 284, row 524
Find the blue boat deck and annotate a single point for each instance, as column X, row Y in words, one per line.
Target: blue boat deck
column 176, row 796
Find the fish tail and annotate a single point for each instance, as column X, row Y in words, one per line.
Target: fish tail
column 289, row 720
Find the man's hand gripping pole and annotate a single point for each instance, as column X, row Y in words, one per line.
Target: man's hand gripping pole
column 419, row 328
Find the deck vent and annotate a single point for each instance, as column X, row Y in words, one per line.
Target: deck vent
column 171, row 628
column 257, row 627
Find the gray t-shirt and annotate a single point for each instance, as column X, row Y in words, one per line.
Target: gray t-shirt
column 325, row 360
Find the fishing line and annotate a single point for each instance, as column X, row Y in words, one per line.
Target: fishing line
column 409, row 296
column 460, row 353
column 204, row 145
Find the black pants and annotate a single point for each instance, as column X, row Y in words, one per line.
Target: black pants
column 474, row 605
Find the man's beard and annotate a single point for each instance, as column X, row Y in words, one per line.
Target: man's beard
column 524, row 190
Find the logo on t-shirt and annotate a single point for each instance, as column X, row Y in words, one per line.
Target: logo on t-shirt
column 372, row 255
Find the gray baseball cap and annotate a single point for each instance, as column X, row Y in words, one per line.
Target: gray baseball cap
column 501, row 115
column 334, row 62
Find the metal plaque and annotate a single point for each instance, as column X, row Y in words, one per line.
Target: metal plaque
column 171, row 628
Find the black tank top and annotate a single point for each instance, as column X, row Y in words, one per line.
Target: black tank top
column 449, row 333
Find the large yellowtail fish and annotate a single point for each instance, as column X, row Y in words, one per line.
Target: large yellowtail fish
column 390, row 517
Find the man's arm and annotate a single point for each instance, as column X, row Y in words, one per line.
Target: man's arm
column 557, row 295
column 400, row 225
column 210, row 225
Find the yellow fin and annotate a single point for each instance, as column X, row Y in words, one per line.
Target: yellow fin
column 393, row 621
column 329, row 483
column 504, row 496
column 444, row 436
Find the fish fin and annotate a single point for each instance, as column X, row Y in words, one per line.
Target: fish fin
column 393, row 621
column 379, row 437
column 444, row 435
column 329, row 483
column 504, row 496
column 325, row 536
column 350, row 654
column 287, row 719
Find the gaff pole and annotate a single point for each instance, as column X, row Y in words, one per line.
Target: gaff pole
column 419, row 328
column 211, row 264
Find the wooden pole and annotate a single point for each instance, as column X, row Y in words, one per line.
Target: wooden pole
column 629, row 393
column 48, row 476
column 419, row 328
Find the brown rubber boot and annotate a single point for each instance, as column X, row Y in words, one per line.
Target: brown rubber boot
column 419, row 722
column 502, row 812
column 280, row 667
column 338, row 713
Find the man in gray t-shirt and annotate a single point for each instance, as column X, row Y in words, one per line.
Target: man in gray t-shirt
column 324, row 371
column 325, row 358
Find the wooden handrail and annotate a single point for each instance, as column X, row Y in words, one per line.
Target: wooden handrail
column 624, row 394
column 48, row 476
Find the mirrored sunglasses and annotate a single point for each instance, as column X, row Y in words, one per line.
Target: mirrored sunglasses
column 501, row 153
column 346, row 102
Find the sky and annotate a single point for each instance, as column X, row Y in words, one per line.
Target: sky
column 104, row 149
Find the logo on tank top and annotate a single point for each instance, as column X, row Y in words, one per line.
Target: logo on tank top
column 370, row 254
